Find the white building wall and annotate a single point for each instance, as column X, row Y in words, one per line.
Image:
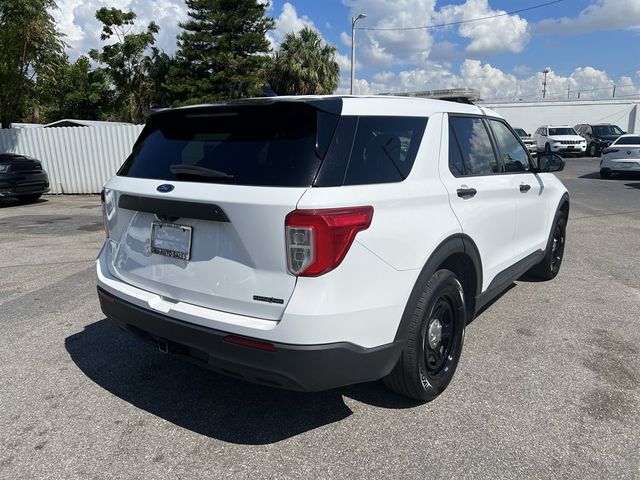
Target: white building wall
column 531, row 115
column 77, row 159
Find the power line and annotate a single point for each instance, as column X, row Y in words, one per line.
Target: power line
column 464, row 21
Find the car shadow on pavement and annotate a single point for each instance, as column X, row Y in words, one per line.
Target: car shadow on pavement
column 205, row 402
column 14, row 202
column 632, row 185
column 613, row 177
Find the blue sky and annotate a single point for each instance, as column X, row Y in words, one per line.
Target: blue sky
column 590, row 45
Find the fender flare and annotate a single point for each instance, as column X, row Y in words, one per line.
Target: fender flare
column 458, row 243
column 564, row 200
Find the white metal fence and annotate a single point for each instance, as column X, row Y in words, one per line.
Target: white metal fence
column 77, row 159
column 530, row 116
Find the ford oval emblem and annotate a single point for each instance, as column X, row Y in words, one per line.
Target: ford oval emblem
column 165, row 188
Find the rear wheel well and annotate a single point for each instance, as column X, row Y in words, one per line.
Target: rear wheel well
column 464, row 268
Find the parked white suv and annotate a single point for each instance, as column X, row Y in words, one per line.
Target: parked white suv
column 529, row 142
column 314, row 242
column 559, row 139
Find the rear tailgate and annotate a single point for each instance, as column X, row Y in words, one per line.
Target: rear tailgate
column 197, row 213
column 236, row 265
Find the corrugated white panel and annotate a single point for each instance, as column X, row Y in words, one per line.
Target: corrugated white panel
column 77, row 159
column 530, row 116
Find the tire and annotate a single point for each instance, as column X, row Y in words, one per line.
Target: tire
column 547, row 149
column 593, row 150
column 549, row 267
column 29, row 198
column 428, row 361
column 605, row 173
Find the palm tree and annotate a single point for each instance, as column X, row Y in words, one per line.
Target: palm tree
column 304, row 65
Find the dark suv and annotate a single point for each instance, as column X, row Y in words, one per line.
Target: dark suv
column 598, row 136
column 22, row 177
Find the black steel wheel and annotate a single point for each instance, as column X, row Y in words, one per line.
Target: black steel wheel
column 547, row 149
column 435, row 338
column 605, row 173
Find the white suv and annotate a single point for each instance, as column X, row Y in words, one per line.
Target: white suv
column 313, row 242
column 559, row 139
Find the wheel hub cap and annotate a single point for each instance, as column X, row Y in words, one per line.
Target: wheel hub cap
column 434, row 333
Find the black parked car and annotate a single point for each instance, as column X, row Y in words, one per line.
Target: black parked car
column 22, row 177
column 598, row 136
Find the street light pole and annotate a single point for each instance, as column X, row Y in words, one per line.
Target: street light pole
column 353, row 47
column 544, row 83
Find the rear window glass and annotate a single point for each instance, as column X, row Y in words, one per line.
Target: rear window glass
column 628, row 141
column 477, row 151
column 267, row 145
column 384, row 149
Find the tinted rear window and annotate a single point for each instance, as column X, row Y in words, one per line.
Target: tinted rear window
column 477, row 151
column 628, row 141
column 281, row 144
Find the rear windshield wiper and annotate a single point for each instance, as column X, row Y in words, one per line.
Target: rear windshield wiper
column 183, row 170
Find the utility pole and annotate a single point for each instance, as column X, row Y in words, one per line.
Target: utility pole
column 614, row 91
column 353, row 47
column 569, row 91
column 544, row 82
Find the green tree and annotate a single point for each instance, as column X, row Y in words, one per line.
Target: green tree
column 304, row 65
column 127, row 61
column 159, row 68
column 75, row 91
column 221, row 52
column 30, row 46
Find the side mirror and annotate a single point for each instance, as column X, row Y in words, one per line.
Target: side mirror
column 550, row 163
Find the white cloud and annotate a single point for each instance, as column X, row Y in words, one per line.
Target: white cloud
column 495, row 84
column 601, row 15
column 288, row 22
column 507, row 33
column 76, row 19
column 385, row 48
column 522, row 70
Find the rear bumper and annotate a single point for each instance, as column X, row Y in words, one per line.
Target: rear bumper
column 294, row 367
column 12, row 185
column 631, row 165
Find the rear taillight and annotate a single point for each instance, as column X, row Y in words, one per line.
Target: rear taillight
column 104, row 213
column 318, row 240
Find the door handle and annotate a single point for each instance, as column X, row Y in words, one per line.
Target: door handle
column 466, row 193
column 525, row 188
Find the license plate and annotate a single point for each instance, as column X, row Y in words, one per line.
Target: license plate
column 570, row 147
column 171, row 240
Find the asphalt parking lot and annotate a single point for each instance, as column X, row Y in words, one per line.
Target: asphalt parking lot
column 548, row 385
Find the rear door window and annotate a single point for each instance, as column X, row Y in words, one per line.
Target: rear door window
column 475, row 145
column 514, row 156
column 384, row 149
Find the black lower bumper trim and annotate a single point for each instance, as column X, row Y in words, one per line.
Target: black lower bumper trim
column 294, row 367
